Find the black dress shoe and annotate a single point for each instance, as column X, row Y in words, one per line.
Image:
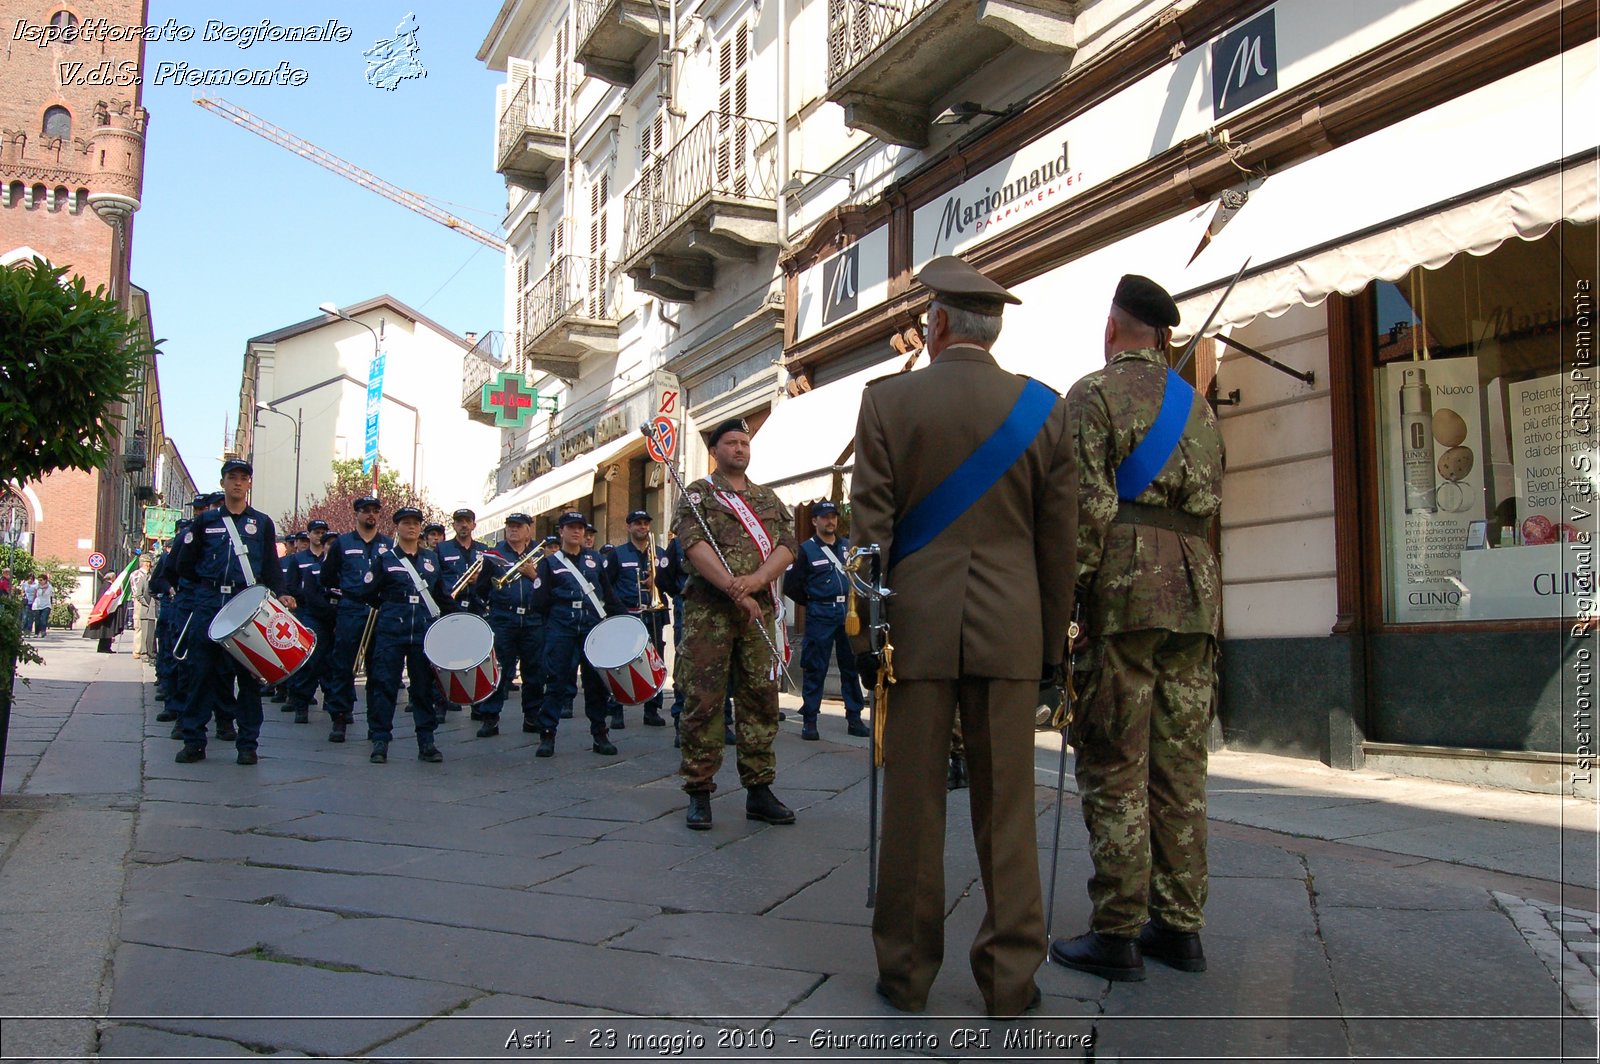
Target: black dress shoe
column 430, row 754
column 699, row 816
column 247, row 757
column 605, row 746
column 380, row 752
column 956, row 778
column 1175, row 949
column 761, row 804
column 1110, row 957
column 808, row 732
column 190, row 754
column 489, row 728
column 857, row 727
column 895, row 1003
column 547, row 745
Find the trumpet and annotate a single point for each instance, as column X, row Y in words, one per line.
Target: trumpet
column 515, row 571
column 467, row 577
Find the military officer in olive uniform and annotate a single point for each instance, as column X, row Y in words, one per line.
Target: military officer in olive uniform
column 1150, row 480
column 964, row 475
column 817, row 581
column 723, row 613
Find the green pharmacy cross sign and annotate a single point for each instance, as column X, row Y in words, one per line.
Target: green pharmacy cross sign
column 510, row 401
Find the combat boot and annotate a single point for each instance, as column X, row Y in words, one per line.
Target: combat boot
column 167, row 716
column 653, row 718
column 336, row 735
column 699, row 815
column 302, row 715
column 808, row 730
column 190, row 754
column 530, row 725
column 761, row 804
column 226, row 732
column 604, row 745
column 1108, row 956
column 547, row 745
column 430, row 754
column 617, row 723
column 1174, row 948
column 380, row 752
column 489, row 728
column 856, row 727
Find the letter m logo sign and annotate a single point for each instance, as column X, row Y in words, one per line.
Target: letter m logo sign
column 840, row 284
column 1244, row 64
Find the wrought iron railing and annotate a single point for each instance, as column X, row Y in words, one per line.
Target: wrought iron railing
column 857, row 27
column 536, row 103
column 720, row 156
column 480, row 366
column 588, row 16
column 575, row 285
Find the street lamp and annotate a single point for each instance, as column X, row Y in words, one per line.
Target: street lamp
column 264, row 408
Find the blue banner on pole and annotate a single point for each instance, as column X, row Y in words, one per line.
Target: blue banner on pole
column 374, row 402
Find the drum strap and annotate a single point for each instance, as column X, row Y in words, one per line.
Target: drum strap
column 588, row 588
column 238, row 549
column 422, row 589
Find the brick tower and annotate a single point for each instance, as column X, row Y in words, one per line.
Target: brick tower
column 71, row 171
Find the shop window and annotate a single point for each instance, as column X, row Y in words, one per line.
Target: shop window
column 57, row 123
column 1485, row 441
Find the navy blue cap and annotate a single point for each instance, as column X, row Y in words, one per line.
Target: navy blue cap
column 639, row 515
column 364, row 501
column 183, row 523
column 215, row 497
column 518, row 519
column 464, row 512
column 826, row 506
column 199, row 502
column 405, row 512
column 607, row 548
column 551, row 541
column 317, row 526
column 571, row 517
column 589, row 528
column 301, row 535
column 239, row 465
column 736, row 424
column 433, row 526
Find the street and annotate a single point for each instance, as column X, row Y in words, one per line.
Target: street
column 501, row 907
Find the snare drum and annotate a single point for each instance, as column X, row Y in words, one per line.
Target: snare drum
column 621, row 649
column 262, row 635
column 460, row 648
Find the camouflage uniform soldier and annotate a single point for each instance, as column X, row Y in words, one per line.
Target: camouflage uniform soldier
column 722, row 644
column 1151, row 591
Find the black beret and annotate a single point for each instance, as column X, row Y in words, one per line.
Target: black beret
column 1146, row 301
column 405, row 512
column 959, row 285
column 239, row 465
column 736, row 424
column 464, row 512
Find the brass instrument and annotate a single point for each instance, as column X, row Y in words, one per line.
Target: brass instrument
column 467, row 577
column 515, row 570
column 366, row 642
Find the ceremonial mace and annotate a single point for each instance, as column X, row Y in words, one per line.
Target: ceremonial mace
column 649, row 431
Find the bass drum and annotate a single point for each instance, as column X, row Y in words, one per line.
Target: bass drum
column 262, row 635
column 621, row 649
column 460, row 649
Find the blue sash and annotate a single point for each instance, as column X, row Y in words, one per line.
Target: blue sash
column 966, row 485
column 1147, row 460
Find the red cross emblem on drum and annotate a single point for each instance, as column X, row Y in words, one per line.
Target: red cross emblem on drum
column 282, row 635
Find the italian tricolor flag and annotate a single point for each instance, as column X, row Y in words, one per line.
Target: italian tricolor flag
column 114, row 595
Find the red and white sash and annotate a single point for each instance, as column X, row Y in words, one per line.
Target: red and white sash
column 758, row 534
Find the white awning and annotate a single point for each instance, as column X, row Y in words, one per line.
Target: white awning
column 567, row 482
column 1511, row 159
column 794, row 451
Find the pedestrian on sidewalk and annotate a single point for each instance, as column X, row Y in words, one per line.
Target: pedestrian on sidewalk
column 1150, row 484
column 144, row 610
column 981, row 564
column 43, row 599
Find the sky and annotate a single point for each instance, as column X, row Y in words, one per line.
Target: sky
column 237, row 236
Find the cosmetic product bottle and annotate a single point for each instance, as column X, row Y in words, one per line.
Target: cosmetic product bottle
column 1416, row 441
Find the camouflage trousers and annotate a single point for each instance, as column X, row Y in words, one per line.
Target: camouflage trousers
column 1139, row 733
column 722, row 652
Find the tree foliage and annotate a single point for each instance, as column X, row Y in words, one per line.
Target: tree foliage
column 67, row 357
column 64, row 576
column 348, row 485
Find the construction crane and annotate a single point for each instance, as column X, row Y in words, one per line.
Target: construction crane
column 366, row 179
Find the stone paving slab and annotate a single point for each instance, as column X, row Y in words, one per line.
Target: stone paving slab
column 211, row 925
column 274, row 1005
column 128, row 1043
column 686, row 891
column 802, row 945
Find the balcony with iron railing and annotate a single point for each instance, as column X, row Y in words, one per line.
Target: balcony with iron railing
column 711, row 198
column 889, row 60
column 612, row 33
column 533, row 133
column 479, row 367
column 569, row 314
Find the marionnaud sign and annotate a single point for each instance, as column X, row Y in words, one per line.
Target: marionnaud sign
column 845, row 284
column 1244, row 64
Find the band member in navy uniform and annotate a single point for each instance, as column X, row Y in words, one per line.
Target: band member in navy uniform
column 303, row 577
column 519, row 627
column 457, row 556
column 407, row 585
column 183, row 673
column 636, row 569
column 164, row 583
column 432, row 536
column 566, row 588
column 344, row 571
column 225, row 551
column 817, row 581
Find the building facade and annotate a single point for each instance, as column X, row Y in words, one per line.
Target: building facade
column 1401, row 372
column 71, row 171
column 303, row 403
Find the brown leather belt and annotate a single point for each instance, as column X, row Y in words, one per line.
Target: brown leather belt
column 1138, row 513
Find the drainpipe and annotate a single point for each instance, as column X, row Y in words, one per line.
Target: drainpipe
column 783, row 124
